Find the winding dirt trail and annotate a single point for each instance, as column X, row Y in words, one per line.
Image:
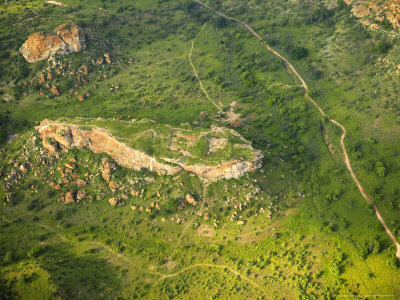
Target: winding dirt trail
column 344, row 132
column 195, row 72
column 162, row 276
column 216, row 267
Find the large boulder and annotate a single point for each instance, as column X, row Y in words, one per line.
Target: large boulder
column 72, row 35
column 39, row 46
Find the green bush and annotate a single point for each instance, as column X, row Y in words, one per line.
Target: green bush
column 8, row 258
column 36, row 251
column 380, row 169
column 298, row 52
column 393, row 263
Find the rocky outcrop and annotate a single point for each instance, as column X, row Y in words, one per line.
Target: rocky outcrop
column 376, row 14
column 72, row 35
column 67, row 136
column 39, row 46
column 56, row 135
column 227, row 170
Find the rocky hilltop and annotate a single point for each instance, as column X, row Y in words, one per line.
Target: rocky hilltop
column 58, row 135
column 67, row 38
column 376, row 14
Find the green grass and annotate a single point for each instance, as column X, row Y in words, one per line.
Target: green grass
column 319, row 244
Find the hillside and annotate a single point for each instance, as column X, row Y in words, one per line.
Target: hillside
column 199, row 149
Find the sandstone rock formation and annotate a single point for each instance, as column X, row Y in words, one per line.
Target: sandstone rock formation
column 106, row 169
column 190, row 199
column 69, row 198
column 56, row 135
column 39, row 46
column 113, row 201
column 72, row 35
column 67, row 136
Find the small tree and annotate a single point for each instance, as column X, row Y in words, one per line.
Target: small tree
column 380, row 169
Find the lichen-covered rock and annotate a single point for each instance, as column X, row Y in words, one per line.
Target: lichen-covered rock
column 39, row 46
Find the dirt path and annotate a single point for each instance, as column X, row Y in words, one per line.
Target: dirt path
column 195, row 72
column 161, row 275
column 344, row 132
column 206, row 184
column 56, row 3
column 217, row 267
column 120, row 256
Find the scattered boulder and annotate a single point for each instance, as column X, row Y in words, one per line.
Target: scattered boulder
column 190, row 199
column 55, row 90
column 81, row 195
column 240, row 222
column 42, row 78
column 106, row 169
column 113, row 185
column 207, row 216
column 70, row 166
column 113, row 201
column 69, row 198
column 79, row 183
column 107, row 58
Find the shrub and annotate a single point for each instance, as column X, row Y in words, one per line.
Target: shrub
column 380, row 169
column 8, row 258
column 299, row 52
column 36, row 251
column 393, row 263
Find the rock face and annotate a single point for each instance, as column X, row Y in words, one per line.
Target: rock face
column 56, row 135
column 39, row 46
column 72, row 35
column 67, row 136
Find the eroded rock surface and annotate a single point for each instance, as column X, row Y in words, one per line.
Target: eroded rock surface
column 39, row 46
column 56, row 135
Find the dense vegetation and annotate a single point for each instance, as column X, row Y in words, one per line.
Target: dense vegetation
column 297, row 227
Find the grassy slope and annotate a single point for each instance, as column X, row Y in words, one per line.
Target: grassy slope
column 295, row 252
